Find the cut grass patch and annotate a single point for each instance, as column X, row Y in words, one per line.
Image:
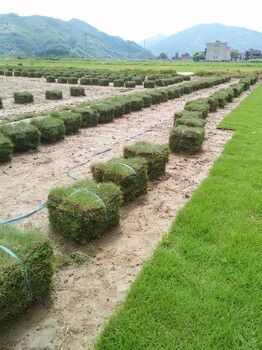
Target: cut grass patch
column 202, row 287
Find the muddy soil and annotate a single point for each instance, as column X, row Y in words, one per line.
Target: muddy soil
column 84, row 296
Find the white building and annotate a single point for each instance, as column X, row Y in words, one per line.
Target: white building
column 218, row 52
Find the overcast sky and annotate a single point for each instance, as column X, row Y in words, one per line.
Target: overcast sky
column 141, row 19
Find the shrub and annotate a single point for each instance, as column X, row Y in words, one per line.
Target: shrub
column 130, row 174
column 19, row 289
column 89, row 116
column 23, row 97
column 84, row 211
column 53, row 95
column 186, row 139
column 51, row 129
column 23, row 136
column 130, row 84
column 50, row 79
column 72, row 121
column 6, row 148
column 77, row 91
column 155, row 155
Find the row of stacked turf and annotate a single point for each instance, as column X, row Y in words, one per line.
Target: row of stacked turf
column 188, row 132
column 25, row 97
column 80, row 212
column 22, row 136
column 128, row 82
column 101, row 77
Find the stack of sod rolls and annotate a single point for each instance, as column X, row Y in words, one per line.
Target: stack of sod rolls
column 155, row 155
column 188, row 133
column 189, row 118
column 186, row 139
column 24, row 136
column 26, row 269
column 128, row 173
column 84, row 211
column 6, row 148
column 72, row 120
column 51, row 129
column 89, row 116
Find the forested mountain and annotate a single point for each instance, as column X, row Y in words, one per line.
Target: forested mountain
column 47, row 36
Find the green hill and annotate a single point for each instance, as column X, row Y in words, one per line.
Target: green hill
column 47, row 36
column 194, row 39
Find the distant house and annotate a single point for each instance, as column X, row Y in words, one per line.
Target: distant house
column 217, row 52
column 251, row 54
column 185, row 56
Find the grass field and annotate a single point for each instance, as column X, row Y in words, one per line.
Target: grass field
column 132, row 66
column 202, row 287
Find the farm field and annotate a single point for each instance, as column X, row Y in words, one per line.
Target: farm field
column 86, row 295
column 133, row 66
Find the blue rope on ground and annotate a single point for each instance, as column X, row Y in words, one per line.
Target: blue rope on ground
column 8, row 221
column 15, row 257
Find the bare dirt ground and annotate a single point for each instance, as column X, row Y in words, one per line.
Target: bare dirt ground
column 85, row 296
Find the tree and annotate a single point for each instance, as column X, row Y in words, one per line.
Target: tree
column 234, row 55
column 198, row 56
column 162, row 56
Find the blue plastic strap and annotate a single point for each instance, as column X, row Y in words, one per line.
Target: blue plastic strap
column 134, row 172
column 15, row 257
column 8, row 221
column 99, row 198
